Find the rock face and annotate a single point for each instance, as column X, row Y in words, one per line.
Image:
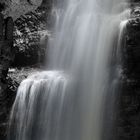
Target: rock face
column 128, row 122
column 16, row 8
column 6, row 49
column 11, row 10
column 128, row 117
column 30, row 38
column 6, row 57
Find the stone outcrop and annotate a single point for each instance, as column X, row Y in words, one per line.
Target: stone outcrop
column 30, row 38
column 6, row 57
column 10, row 10
column 16, row 8
column 128, row 117
column 128, row 120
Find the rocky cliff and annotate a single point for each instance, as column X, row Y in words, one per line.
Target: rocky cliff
column 31, row 26
column 16, row 8
column 128, row 119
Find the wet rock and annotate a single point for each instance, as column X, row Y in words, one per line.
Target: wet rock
column 15, row 77
column 30, row 38
column 9, row 85
column 129, row 102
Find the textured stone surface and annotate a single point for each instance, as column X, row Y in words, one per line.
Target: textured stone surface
column 9, row 85
column 6, row 51
column 128, row 120
column 16, row 8
column 30, row 38
column 6, row 57
column 128, row 117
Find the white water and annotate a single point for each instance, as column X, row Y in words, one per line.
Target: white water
column 68, row 101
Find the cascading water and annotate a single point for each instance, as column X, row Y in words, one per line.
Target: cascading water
column 67, row 102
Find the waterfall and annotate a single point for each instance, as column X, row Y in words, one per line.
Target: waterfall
column 74, row 98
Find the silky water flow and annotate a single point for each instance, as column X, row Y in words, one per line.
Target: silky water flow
column 69, row 100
